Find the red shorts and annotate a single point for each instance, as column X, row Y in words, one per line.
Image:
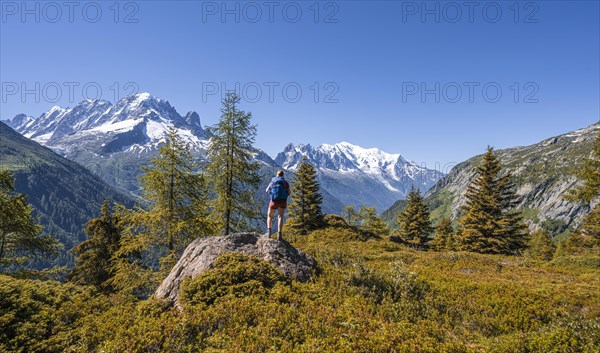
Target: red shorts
column 273, row 205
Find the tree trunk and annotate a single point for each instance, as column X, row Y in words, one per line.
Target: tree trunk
column 2, row 246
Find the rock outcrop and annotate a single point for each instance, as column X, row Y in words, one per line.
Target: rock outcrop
column 201, row 253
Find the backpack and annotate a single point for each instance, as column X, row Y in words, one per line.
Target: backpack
column 278, row 191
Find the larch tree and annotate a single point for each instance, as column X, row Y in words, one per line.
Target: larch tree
column 371, row 222
column 489, row 222
column 585, row 193
column 351, row 216
column 305, row 212
column 20, row 236
column 365, row 219
column 234, row 176
column 178, row 196
column 94, row 255
column 176, row 213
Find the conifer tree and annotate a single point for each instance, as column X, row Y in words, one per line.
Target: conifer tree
column 234, row 177
column 19, row 232
column 365, row 219
column 541, row 246
column 561, row 249
column 586, row 192
column 489, row 223
column 590, row 226
column 443, row 238
column 371, row 222
column 351, row 216
column 590, row 174
column 305, row 212
column 178, row 196
column 93, row 262
column 414, row 222
column 177, row 212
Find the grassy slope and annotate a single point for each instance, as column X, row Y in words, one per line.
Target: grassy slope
column 372, row 296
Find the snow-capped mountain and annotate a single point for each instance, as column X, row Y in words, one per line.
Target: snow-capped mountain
column 113, row 140
column 21, row 121
column 357, row 175
column 135, row 123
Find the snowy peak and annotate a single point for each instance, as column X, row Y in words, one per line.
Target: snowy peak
column 357, row 175
column 20, row 121
column 144, row 105
column 342, row 156
column 137, row 122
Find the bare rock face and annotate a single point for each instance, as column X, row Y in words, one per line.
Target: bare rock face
column 202, row 252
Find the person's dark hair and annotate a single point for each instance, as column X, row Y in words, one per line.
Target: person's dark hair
column 279, row 173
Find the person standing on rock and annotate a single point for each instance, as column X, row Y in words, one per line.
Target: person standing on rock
column 278, row 190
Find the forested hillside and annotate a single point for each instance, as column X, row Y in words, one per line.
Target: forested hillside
column 64, row 194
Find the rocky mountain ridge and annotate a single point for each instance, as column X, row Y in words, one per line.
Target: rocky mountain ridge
column 542, row 172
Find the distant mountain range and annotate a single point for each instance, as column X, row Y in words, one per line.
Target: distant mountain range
column 542, row 172
column 358, row 176
column 113, row 141
column 64, row 194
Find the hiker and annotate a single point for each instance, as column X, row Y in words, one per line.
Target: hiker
column 278, row 190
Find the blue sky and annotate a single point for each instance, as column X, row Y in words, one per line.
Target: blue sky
column 381, row 74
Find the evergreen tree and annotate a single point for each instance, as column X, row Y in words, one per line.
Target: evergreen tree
column 590, row 174
column 233, row 175
column 590, row 226
column 561, row 249
column 351, row 216
column 365, row 219
column 19, row 232
column 443, row 238
column 371, row 222
column 94, row 255
column 413, row 220
column 541, row 246
column 177, row 213
column 586, row 192
column 305, row 210
column 489, row 223
column 178, row 196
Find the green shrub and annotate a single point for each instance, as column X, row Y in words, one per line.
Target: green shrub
column 232, row 274
column 36, row 316
column 371, row 296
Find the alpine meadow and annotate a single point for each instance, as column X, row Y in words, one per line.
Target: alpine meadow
column 252, row 218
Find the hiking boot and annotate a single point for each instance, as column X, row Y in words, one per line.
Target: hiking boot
column 279, row 236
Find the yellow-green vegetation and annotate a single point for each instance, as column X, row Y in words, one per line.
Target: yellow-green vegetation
column 365, row 219
column 368, row 295
column 19, row 232
column 232, row 274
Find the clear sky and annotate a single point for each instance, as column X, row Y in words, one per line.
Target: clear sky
column 434, row 81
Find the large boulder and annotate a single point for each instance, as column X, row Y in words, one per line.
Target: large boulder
column 202, row 252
